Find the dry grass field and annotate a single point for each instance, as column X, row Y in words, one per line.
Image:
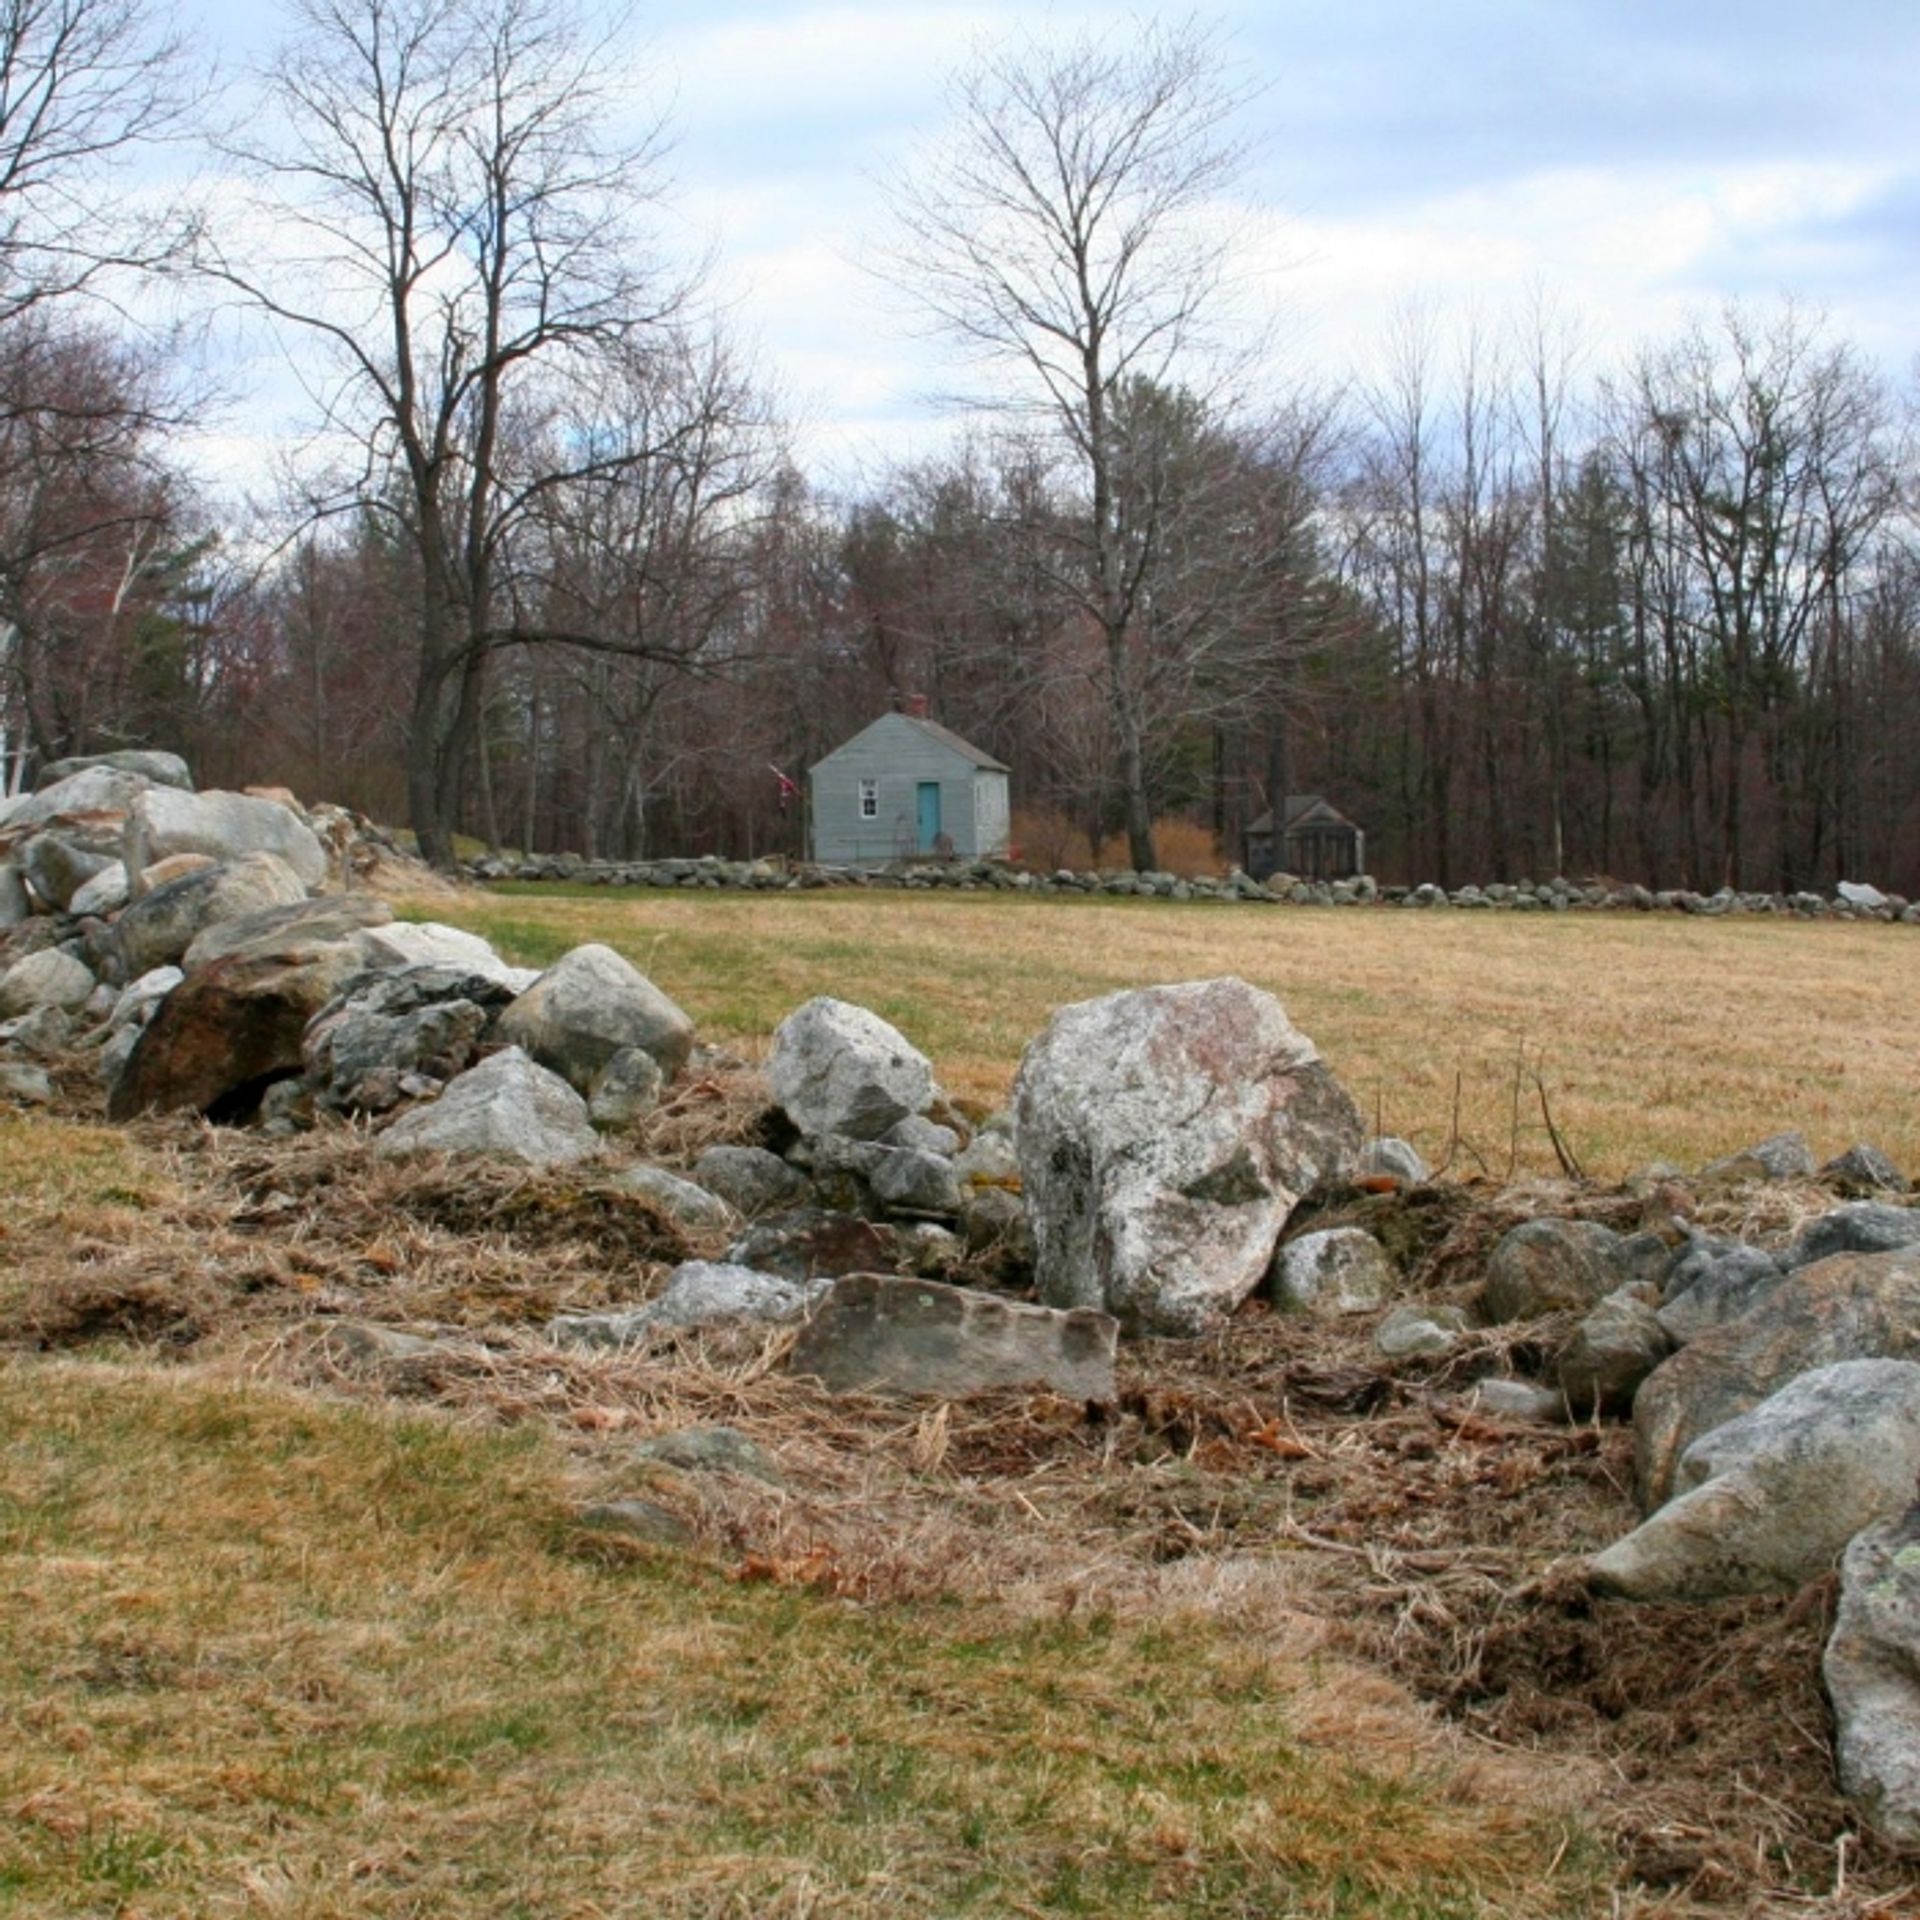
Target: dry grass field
column 292, row 1632
column 1656, row 1037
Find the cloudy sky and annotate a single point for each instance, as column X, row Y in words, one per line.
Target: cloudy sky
column 1632, row 161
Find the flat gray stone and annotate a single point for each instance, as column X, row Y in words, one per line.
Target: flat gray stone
column 643, row 1520
column 710, row 1450
column 881, row 1333
column 1861, row 1226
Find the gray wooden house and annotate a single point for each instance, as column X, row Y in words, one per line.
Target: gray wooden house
column 1316, row 842
column 905, row 788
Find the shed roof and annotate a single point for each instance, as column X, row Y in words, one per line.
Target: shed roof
column 934, row 731
column 1299, row 808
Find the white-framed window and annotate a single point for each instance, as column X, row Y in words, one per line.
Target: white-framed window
column 869, row 799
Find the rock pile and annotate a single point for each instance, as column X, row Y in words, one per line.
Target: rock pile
column 1171, row 1152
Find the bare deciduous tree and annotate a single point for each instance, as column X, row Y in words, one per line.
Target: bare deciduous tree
column 455, row 230
column 84, row 84
column 1067, row 234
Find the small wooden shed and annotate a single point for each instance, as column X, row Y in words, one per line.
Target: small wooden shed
column 905, row 788
column 1316, row 842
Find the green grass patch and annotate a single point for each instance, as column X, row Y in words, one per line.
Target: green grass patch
column 262, row 1655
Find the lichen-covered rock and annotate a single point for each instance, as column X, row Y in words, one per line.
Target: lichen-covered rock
column 1164, row 1136
column 1872, row 1671
column 881, row 1333
column 157, row 929
column 506, row 1108
column 51, row 978
column 1336, row 1271
column 1856, row 1306
column 838, row 1069
column 588, row 1006
column 163, row 821
column 1769, row 1499
column 1552, row 1266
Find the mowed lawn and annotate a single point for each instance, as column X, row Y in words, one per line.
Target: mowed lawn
column 1655, row 1036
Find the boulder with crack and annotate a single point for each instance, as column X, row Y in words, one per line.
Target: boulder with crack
column 1164, row 1137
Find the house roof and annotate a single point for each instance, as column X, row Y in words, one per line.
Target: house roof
column 1299, row 809
column 935, row 731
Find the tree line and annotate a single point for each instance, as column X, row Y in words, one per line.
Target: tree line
column 547, row 572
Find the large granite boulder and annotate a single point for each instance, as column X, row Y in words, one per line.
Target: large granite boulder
column 157, row 929
column 1769, row 1500
column 232, row 1027
column 1165, row 1135
column 837, row 1069
column 1858, row 1306
column 1872, row 1672
column 506, row 1108
column 880, row 1333
column 589, row 1005
column 50, row 978
column 163, row 821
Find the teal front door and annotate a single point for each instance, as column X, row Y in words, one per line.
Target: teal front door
column 929, row 814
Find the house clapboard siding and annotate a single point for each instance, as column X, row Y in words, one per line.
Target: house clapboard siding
column 930, row 795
